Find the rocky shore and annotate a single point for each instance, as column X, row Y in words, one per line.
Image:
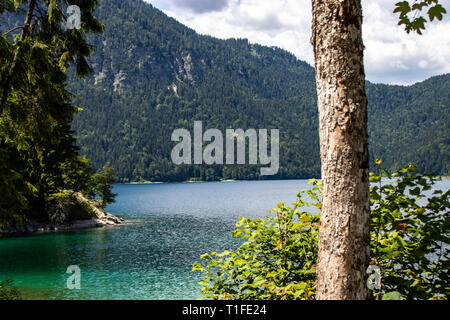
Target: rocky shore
column 91, row 216
column 106, row 220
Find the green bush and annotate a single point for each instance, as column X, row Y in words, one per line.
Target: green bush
column 8, row 292
column 101, row 186
column 409, row 245
column 410, row 234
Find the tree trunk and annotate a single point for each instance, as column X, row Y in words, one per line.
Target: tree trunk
column 344, row 226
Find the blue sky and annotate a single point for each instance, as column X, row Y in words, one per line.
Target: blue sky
column 391, row 55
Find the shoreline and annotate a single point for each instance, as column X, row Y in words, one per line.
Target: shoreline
column 90, row 217
column 229, row 180
column 193, row 181
column 34, row 227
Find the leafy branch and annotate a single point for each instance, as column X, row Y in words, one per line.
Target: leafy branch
column 411, row 15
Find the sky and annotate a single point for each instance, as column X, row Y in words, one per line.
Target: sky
column 391, row 56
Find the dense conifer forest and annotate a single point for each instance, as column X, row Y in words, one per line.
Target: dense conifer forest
column 153, row 75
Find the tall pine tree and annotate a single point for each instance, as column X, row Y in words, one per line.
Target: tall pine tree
column 38, row 152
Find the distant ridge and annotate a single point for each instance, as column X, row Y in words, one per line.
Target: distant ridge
column 152, row 74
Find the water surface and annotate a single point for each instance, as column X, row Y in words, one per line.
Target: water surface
column 150, row 257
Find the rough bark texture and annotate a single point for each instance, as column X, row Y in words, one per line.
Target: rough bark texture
column 342, row 103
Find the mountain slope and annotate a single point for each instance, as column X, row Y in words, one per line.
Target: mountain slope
column 153, row 75
column 411, row 124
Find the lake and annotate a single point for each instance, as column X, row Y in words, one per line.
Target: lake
column 168, row 226
column 150, row 257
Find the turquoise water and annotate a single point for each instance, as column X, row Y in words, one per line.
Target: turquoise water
column 150, row 257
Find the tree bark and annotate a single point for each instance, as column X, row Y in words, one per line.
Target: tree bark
column 12, row 70
column 344, row 223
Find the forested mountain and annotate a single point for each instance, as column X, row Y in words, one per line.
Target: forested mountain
column 153, row 74
column 411, row 124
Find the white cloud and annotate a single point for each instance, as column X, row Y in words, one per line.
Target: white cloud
column 200, row 6
column 283, row 23
column 391, row 55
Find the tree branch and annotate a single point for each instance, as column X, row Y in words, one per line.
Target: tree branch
column 9, row 31
column 12, row 70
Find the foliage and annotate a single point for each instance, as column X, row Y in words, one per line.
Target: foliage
column 39, row 158
column 409, row 243
column 101, row 186
column 12, row 188
column 410, row 14
column 58, row 207
column 8, row 291
column 275, row 262
column 410, row 234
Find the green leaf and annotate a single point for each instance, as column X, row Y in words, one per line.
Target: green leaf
column 415, row 283
column 436, row 12
column 393, row 295
column 402, row 7
column 259, row 281
column 197, row 267
column 415, row 191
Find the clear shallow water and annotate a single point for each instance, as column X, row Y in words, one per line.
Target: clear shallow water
column 150, row 257
column 168, row 227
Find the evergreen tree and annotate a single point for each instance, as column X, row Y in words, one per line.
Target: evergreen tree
column 37, row 143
